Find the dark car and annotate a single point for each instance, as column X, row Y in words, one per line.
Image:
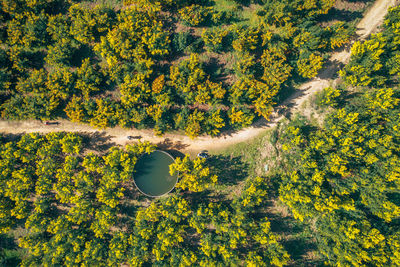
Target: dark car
column 51, row 123
column 130, row 137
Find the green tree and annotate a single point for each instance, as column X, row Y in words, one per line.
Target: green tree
column 87, row 25
column 88, row 78
column 308, row 66
column 346, row 173
column 194, row 175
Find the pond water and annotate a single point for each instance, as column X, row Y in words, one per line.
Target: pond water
column 152, row 174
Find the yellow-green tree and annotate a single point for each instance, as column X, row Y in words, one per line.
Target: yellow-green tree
column 87, row 24
column 88, row 78
column 240, row 118
column 194, row 124
column 308, row 66
column 194, row 175
column 214, row 39
column 344, row 175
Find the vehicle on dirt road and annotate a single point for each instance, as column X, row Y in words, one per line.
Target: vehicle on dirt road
column 129, row 137
column 51, row 123
column 203, row 154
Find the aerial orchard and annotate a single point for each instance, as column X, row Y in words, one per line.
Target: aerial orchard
column 223, row 232
column 344, row 177
column 77, row 207
column 131, row 65
column 375, row 62
column 194, row 175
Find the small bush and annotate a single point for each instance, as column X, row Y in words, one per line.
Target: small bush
column 328, row 97
column 195, row 15
column 195, row 47
column 181, row 41
column 214, row 39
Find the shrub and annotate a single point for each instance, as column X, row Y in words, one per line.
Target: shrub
column 195, row 15
column 246, row 39
column 214, row 39
column 181, row 41
column 195, row 47
column 341, row 34
column 308, row 67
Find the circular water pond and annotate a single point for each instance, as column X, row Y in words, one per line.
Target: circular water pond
column 152, row 174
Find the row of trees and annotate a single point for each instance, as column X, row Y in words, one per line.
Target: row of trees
column 376, row 62
column 92, row 64
column 344, row 177
column 209, row 233
column 77, row 209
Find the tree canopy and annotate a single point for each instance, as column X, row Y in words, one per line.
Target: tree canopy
column 82, row 208
column 343, row 177
column 158, row 64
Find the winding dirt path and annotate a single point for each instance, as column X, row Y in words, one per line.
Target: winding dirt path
column 369, row 24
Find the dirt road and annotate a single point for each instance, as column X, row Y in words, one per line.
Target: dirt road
column 369, row 24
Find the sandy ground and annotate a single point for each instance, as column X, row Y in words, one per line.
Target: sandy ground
column 369, row 24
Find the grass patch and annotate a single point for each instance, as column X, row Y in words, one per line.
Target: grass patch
column 251, row 152
column 225, row 5
column 117, row 4
column 249, row 15
column 254, row 155
column 246, row 15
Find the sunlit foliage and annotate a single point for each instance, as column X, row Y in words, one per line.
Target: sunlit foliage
column 167, row 65
column 77, row 208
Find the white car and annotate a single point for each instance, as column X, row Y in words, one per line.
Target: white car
column 203, row 154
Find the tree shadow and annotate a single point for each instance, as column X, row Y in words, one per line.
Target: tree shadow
column 296, row 236
column 230, row 170
column 298, row 248
column 257, row 123
column 285, row 93
column 362, row 1
column 330, row 70
column 127, row 208
column 172, row 147
column 215, row 69
column 281, row 222
column 129, row 205
column 286, row 108
column 84, row 51
column 97, row 141
column 197, row 198
column 341, row 15
column 57, row 7
column 245, row 3
column 8, row 137
column 9, row 255
column 7, row 242
column 35, row 59
column 395, row 198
